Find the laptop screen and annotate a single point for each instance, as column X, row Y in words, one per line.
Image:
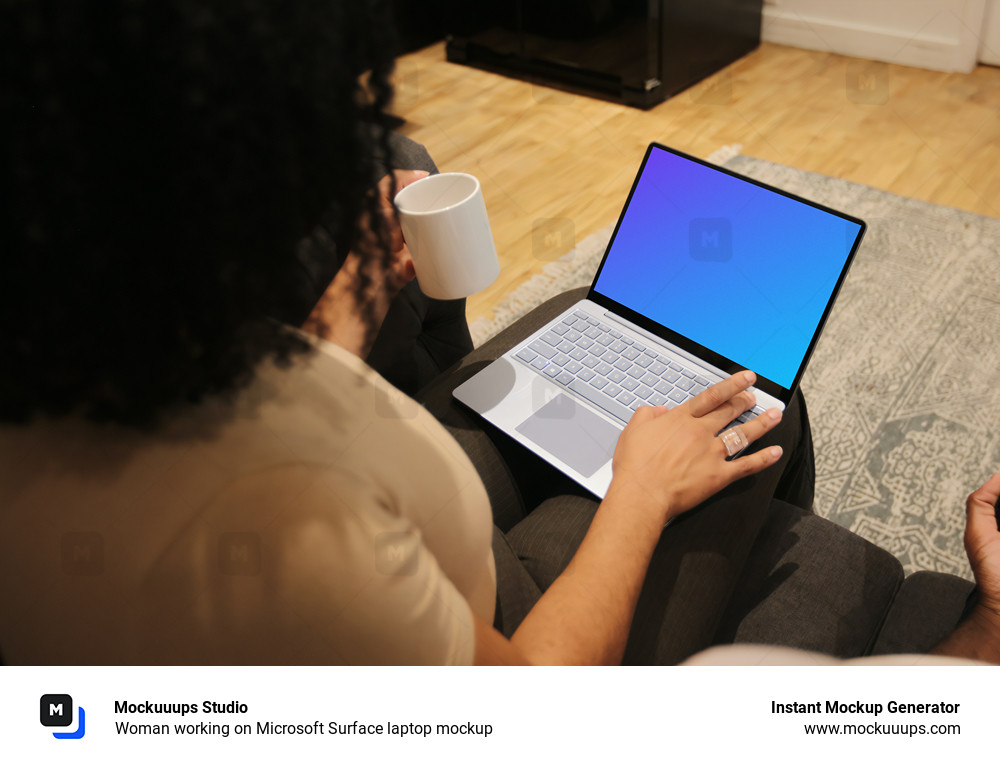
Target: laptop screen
column 741, row 269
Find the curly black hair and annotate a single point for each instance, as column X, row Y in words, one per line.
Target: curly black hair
column 161, row 164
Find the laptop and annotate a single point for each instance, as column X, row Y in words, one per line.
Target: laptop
column 708, row 272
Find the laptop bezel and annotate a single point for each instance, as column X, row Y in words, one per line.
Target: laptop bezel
column 726, row 365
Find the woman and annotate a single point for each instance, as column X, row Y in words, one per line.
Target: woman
column 188, row 480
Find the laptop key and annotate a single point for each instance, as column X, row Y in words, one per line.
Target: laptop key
column 649, row 379
column 560, row 329
column 585, row 374
column 581, row 326
column 539, row 362
column 657, row 368
column 565, row 378
column 560, row 359
column 573, row 368
column 605, row 327
column 643, row 392
column 616, row 375
column 617, row 346
column 580, row 314
column 551, row 370
column 613, row 389
column 644, row 360
column 703, row 382
column 626, row 339
column 606, row 403
column 564, row 346
column 578, row 354
column 677, row 396
column 625, row 397
column 685, row 385
column 663, row 387
column 657, row 400
column 636, row 371
column 543, row 348
column 551, row 338
column 607, row 340
column 585, row 342
column 629, row 384
column 614, row 333
column 526, row 354
column 687, row 374
column 675, row 366
column 590, row 332
column 572, row 336
column 591, row 361
column 591, row 320
column 639, row 347
column 598, row 382
column 623, row 364
column 671, row 376
column 630, row 353
column 603, row 368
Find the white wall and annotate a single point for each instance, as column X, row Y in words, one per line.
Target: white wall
column 933, row 34
column 989, row 47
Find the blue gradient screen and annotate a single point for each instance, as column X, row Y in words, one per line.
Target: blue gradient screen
column 738, row 269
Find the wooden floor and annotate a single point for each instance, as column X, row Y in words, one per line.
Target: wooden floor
column 556, row 167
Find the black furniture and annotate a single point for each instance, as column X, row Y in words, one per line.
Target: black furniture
column 637, row 52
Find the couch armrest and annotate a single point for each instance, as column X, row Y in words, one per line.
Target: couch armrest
column 812, row 584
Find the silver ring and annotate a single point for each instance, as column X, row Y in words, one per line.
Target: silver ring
column 734, row 440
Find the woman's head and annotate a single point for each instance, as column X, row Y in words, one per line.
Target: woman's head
column 161, row 163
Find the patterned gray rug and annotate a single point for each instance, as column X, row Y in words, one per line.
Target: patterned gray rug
column 902, row 389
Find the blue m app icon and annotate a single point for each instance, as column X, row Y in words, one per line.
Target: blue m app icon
column 711, row 239
column 57, row 710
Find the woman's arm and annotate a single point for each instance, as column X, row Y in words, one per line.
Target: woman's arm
column 666, row 462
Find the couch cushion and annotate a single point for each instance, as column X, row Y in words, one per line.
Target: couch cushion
column 927, row 608
column 813, row 585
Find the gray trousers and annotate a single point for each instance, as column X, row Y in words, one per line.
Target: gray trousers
column 541, row 516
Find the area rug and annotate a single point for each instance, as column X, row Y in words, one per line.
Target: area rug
column 903, row 387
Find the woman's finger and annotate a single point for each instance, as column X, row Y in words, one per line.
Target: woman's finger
column 751, row 431
column 712, row 398
column 753, row 463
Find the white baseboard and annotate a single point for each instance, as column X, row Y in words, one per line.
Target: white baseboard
column 865, row 41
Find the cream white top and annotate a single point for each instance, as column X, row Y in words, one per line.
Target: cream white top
column 324, row 517
column 759, row 654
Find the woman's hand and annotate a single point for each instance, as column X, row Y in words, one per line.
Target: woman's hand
column 978, row 636
column 669, row 460
column 345, row 314
column 982, row 544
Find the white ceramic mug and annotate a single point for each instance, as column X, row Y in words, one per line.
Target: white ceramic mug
column 445, row 225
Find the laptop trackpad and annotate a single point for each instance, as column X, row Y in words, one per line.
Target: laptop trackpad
column 582, row 440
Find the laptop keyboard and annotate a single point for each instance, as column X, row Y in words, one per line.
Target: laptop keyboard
column 608, row 368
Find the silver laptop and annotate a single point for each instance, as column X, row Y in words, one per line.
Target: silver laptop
column 707, row 273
